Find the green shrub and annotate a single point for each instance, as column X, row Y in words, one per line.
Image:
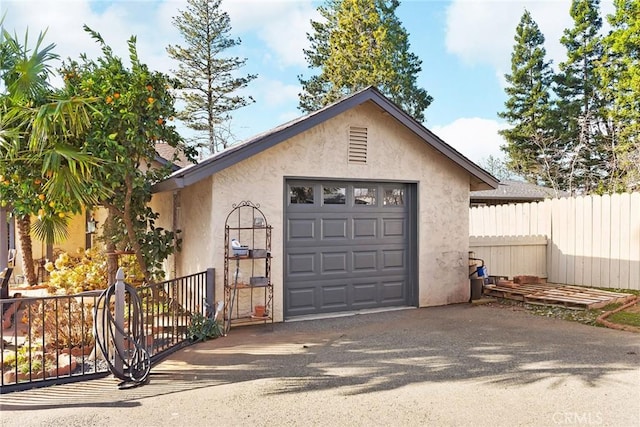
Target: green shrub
column 203, row 328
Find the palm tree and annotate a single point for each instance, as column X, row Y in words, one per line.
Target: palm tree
column 42, row 172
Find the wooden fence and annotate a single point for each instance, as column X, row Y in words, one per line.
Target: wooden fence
column 592, row 240
column 512, row 256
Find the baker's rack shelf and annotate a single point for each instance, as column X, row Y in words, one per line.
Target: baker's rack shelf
column 248, row 287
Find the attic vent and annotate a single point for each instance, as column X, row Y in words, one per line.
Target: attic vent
column 357, row 145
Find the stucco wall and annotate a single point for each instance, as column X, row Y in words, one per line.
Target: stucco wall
column 163, row 204
column 199, row 232
column 321, row 152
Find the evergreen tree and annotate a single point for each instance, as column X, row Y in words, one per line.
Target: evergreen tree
column 531, row 144
column 362, row 43
column 583, row 131
column 209, row 82
column 620, row 72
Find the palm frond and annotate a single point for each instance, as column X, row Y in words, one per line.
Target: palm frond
column 64, row 118
column 28, row 76
column 70, row 176
column 51, row 229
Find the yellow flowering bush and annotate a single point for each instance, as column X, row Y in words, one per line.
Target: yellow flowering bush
column 74, row 274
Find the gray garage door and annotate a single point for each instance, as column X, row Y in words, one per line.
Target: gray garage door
column 347, row 246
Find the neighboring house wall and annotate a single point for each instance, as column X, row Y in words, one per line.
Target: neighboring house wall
column 395, row 154
column 593, row 240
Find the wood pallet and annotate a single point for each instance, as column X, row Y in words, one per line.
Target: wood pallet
column 574, row 297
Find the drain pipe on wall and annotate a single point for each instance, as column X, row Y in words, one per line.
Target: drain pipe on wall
column 175, row 226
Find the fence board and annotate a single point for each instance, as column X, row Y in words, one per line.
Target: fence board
column 578, row 261
column 596, row 227
column 559, row 233
column 569, row 252
column 587, row 242
column 614, row 243
column 623, row 230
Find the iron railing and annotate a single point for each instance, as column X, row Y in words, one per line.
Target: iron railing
column 50, row 339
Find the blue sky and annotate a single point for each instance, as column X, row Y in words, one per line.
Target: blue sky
column 464, row 45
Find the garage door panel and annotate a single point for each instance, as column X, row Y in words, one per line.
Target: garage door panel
column 334, row 228
column 393, row 292
column 365, row 293
column 301, row 229
column 393, row 227
column 334, row 262
column 301, row 264
column 393, row 259
column 365, row 228
column 301, row 300
column 365, row 261
column 335, row 297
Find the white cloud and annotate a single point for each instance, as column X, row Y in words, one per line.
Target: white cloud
column 274, row 93
column 282, row 25
column 482, row 31
column 475, row 138
column 116, row 23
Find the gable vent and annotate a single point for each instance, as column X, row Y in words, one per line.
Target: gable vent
column 357, row 145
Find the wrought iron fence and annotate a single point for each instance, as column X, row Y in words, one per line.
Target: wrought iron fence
column 51, row 339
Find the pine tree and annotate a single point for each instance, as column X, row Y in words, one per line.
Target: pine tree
column 209, row 81
column 583, row 130
column 362, row 43
column 620, row 72
column 531, row 144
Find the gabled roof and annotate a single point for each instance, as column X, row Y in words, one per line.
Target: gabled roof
column 514, row 191
column 165, row 153
column 481, row 179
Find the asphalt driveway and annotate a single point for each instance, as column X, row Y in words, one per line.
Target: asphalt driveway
column 455, row 365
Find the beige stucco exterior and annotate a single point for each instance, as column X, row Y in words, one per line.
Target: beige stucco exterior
column 394, row 154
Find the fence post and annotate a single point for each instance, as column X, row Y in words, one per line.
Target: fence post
column 119, row 319
column 210, row 286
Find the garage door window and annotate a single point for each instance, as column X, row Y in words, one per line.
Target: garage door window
column 300, row 195
column 334, row 195
column 394, row 196
column 364, row 196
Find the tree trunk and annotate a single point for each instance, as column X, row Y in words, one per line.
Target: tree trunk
column 110, row 246
column 24, row 228
column 131, row 231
